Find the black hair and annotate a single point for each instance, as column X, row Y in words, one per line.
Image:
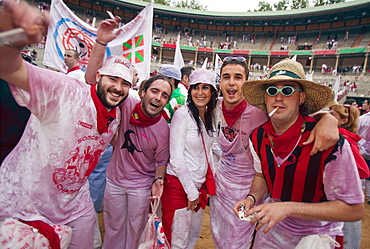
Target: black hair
column 236, row 62
column 349, row 101
column 186, row 71
column 147, row 83
column 176, row 82
column 208, row 116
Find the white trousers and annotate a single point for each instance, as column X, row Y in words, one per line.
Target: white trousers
column 83, row 231
column 125, row 215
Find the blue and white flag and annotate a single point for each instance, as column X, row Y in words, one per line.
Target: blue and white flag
column 67, row 31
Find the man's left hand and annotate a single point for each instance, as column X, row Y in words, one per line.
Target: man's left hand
column 324, row 135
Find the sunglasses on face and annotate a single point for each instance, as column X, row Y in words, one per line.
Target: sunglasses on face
column 231, row 58
column 286, row 90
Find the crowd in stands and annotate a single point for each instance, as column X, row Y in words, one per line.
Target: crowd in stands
column 216, row 151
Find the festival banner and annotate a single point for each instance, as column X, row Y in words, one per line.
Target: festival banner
column 67, row 31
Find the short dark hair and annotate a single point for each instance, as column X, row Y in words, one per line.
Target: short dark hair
column 349, row 101
column 186, row 71
column 176, row 82
column 75, row 53
column 236, row 62
column 147, row 83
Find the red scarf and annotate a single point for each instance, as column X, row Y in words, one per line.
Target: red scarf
column 73, row 69
column 282, row 145
column 138, row 117
column 104, row 117
column 232, row 115
column 187, row 87
column 46, row 230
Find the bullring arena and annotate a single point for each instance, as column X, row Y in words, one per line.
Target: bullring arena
column 330, row 41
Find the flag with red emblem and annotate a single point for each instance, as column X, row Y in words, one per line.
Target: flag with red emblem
column 67, row 31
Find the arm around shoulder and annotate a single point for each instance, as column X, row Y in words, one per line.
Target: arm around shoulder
column 325, row 134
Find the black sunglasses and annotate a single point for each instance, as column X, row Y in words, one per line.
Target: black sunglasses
column 286, row 90
column 232, row 58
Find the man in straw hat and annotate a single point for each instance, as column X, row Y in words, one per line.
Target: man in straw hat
column 235, row 121
column 308, row 195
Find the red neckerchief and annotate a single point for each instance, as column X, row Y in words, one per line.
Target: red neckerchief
column 138, row 117
column 104, row 117
column 46, row 230
column 187, row 87
column 352, row 137
column 232, row 115
column 73, row 69
column 282, row 145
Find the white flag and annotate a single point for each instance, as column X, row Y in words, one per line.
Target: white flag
column 204, row 66
column 218, row 64
column 178, row 60
column 294, row 58
column 336, row 88
column 93, row 22
column 67, row 31
column 309, row 76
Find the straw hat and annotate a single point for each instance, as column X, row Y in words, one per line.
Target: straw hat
column 318, row 96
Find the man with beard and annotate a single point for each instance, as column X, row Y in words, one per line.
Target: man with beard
column 235, row 121
column 43, row 181
column 138, row 164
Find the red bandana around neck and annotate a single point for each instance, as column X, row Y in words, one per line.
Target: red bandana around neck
column 187, row 87
column 73, row 69
column 104, row 117
column 232, row 115
column 138, row 117
column 283, row 144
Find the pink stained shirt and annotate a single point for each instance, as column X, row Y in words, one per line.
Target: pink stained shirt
column 45, row 176
column 138, row 151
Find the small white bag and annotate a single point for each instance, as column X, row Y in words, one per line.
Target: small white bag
column 316, row 241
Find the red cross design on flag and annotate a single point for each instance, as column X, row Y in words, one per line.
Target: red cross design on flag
column 135, row 53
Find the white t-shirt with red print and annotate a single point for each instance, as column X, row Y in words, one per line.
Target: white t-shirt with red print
column 45, row 176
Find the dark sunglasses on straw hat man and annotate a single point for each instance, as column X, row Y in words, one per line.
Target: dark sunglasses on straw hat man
column 317, row 96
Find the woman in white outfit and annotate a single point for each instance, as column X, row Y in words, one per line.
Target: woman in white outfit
column 191, row 136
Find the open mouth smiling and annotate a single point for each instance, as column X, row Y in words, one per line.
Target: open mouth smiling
column 231, row 92
column 154, row 105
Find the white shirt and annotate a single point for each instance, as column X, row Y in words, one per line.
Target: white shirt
column 77, row 74
column 45, row 176
column 188, row 161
